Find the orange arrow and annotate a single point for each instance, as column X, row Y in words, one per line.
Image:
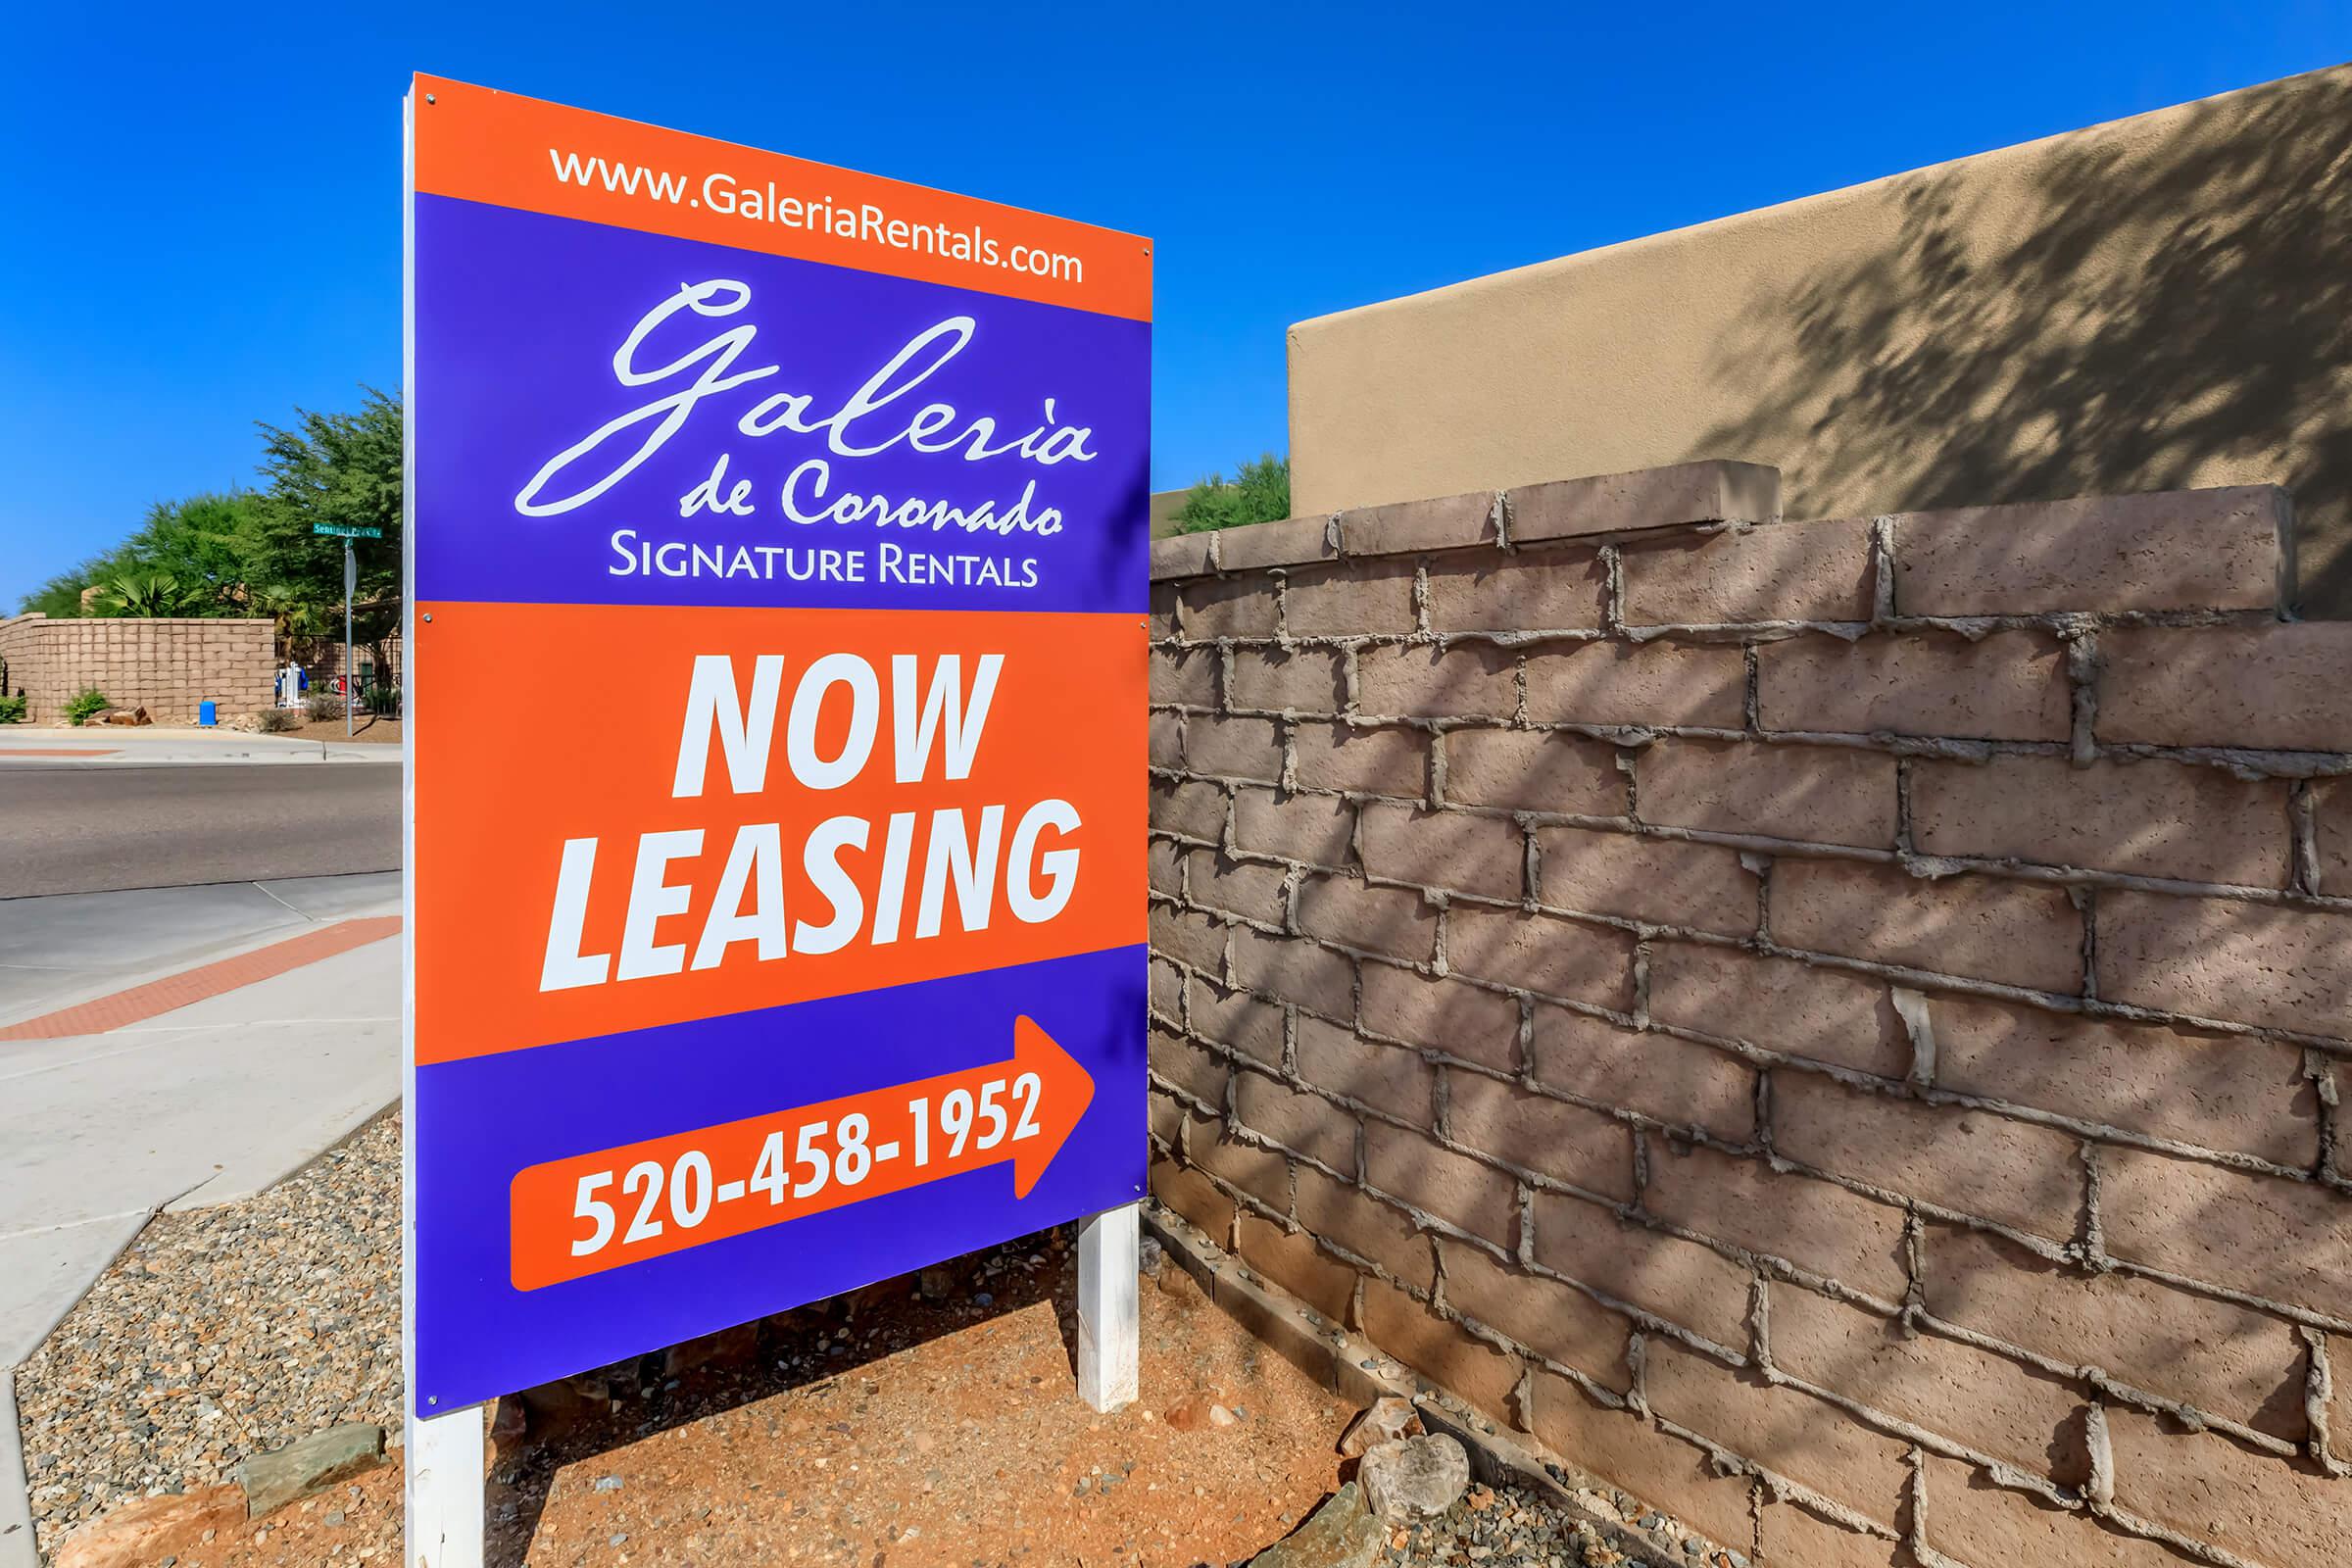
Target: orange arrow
column 588, row 1214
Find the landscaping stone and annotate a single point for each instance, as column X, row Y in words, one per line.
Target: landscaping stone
column 309, row 1464
column 151, row 1529
column 1342, row 1534
column 1384, row 1420
column 1415, row 1478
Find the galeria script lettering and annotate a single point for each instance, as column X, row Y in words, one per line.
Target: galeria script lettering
column 864, row 424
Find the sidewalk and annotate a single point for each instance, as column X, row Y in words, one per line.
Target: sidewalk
column 152, row 746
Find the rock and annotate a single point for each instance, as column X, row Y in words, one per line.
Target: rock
column 309, row 1464
column 510, row 1421
column 1384, row 1420
column 1192, row 1412
column 151, row 1529
column 738, row 1343
column 1219, row 1416
column 936, row 1283
column 1339, row 1535
column 1415, row 1478
column 1149, row 1255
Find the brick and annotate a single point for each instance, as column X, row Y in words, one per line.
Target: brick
column 1791, row 1536
column 1199, row 1072
column 2219, row 959
column 1444, row 1015
column 1291, row 1261
column 1351, row 1218
column 1485, row 855
column 1391, row 920
column 1181, row 555
column 1301, row 680
column 1676, row 1280
column 1165, row 868
column 2287, row 1241
column 1408, row 527
column 1250, row 888
column 1186, row 676
column 1293, row 542
column 1971, row 1161
column 1302, row 1123
column 1188, row 810
column 1992, row 1405
column 1534, row 770
column 2227, row 1092
column 1318, row 829
column 1669, row 1080
column 2220, row 1358
column 1627, row 1451
column 1535, row 1132
column 1787, row 572
column 1786, row 1431
column 1699, row 887
column 1194, row 1196
column 2276, row 686
column 1563, row 1324
column 1261, row 1172
column 2020, row 933
column 1818, row 1226
column 2212, row 1491
column 1363, row 760
column 1167, row 988
column 1422, row 681
column 1783, row 1004
column 1234, row 747
column 1657, row 684
column 2331, row 817
column 1444, row 1352
column 1188, row 939
column 1818, row 793
column 1164, row 608
column 1387, row 1078
column 1166, row 1115
column 1536, row 953
column 1374, row 599
column 2152, row 818
column 1167, row 744
column 1711, row 490
column 2180, row 550
column 1236, row 1021
column 1462, row 1193
column 2010, row 685
column 1981, row 1524
column 1235, row 606
column 1552, row 590
column 1296, row 971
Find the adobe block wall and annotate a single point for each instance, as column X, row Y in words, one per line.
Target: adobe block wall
column 1837, row 1027
column 165, row 666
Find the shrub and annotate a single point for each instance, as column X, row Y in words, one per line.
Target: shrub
column 11, row 709
column 277, row 720
column 324, row 704
column 383, row 699
column 86, row 702
column 1260, row 493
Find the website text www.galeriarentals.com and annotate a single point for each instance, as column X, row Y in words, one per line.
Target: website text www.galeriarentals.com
column 861, row 221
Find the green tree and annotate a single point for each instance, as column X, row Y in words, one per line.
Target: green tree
column 343, row 469
column 149, row 593
column 1259, row 493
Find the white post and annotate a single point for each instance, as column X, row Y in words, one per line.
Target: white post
column 444, row 1456
column 1109, row 1329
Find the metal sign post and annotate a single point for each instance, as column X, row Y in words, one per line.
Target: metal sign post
column 840, row 485
column 351, row 585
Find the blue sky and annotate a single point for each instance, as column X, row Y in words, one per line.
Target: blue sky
column 202, row 203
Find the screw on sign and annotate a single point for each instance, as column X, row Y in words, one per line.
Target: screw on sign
column 820, row 956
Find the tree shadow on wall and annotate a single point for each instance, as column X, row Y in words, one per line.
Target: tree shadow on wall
column 2138, row 313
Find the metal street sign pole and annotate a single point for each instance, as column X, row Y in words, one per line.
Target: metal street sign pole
column 350, row 584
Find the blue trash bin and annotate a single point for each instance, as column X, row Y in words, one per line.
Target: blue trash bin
column 207, row 713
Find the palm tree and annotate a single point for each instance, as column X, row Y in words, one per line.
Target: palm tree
column 145, row 592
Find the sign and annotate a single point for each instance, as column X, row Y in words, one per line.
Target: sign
column 342, row 532
column 776, row 724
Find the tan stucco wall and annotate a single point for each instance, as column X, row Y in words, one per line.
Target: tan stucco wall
column 2157, row 303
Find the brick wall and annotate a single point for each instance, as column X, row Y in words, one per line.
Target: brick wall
column 1837, row 1027
column 167, row 665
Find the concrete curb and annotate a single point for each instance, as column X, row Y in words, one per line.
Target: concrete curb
column 17, row 1548
column 1352, row 1367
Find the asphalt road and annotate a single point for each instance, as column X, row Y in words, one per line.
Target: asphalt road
column 101, row 829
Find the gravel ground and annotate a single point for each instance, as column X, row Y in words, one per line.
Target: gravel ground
column 1508, row 1527
column 222, row 1331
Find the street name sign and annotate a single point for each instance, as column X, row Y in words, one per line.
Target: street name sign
column 344, row 532
column 776, row 662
